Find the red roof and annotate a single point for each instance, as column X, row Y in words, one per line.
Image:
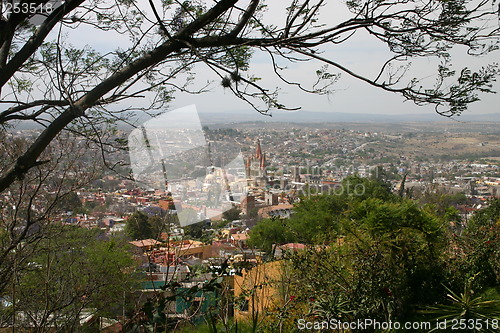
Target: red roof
column 293, row 246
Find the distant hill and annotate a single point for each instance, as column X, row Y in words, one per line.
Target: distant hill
column 310, row 117
column 333, row 117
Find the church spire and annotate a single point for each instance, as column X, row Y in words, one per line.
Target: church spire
column 258, row 151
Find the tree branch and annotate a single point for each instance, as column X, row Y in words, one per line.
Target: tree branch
column 36, row 40
column 244, row 18
column 29, row 158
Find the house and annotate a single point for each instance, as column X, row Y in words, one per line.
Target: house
column 239, row 239
column 222, row 249
column 189, row 248
column 259, row 290
column 290, row 247
column 163, row 256
column 146, row 244
column 157, row 279
column 281, row 210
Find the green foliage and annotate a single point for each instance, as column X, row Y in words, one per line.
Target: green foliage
column 74, row 270
column 138, row 226
column 486, row 218
column 161, row 224
column 316, row 219
column 441, row 204
column 391, row 219
column 381, row 256
column 480, row 244
column 269, row 232
column 386, row 262
column 237, row 58
column 357, row 188
column 70, row 201
column 157, row 224
column 232, row 214
column 141, row 226
column 476, row 313
column 388, row 258
column 394, row 252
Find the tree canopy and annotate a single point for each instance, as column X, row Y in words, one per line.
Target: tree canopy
column 320, row 218
column 384, row 257
column 138, row 226
column 74, row 270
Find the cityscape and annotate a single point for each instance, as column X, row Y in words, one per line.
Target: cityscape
column 284, row 164
column 249, row 166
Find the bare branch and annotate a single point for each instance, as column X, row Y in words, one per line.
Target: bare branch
column 247, row 14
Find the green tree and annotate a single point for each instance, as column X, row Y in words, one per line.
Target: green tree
column 387, row 261
column 157, row 225
column 397, row 249
column 35, row 203
column 232, row 214
column 70, row 201
column 138, row 226
column 270, row 232
column 73, row 272
column 161, row 224
column 317, row 219
column 355, row 188
column 441, row 203
column 480, row 243
column 375, row 255
column 473, row 311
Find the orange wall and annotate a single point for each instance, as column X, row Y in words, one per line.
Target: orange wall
column 261, row 287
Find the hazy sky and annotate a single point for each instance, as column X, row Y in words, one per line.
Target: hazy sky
column 361, row 53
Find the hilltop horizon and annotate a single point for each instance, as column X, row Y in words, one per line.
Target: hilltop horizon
column 315, row 116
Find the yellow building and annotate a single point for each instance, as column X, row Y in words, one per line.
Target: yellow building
column 260, row 289
column 189, row 248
